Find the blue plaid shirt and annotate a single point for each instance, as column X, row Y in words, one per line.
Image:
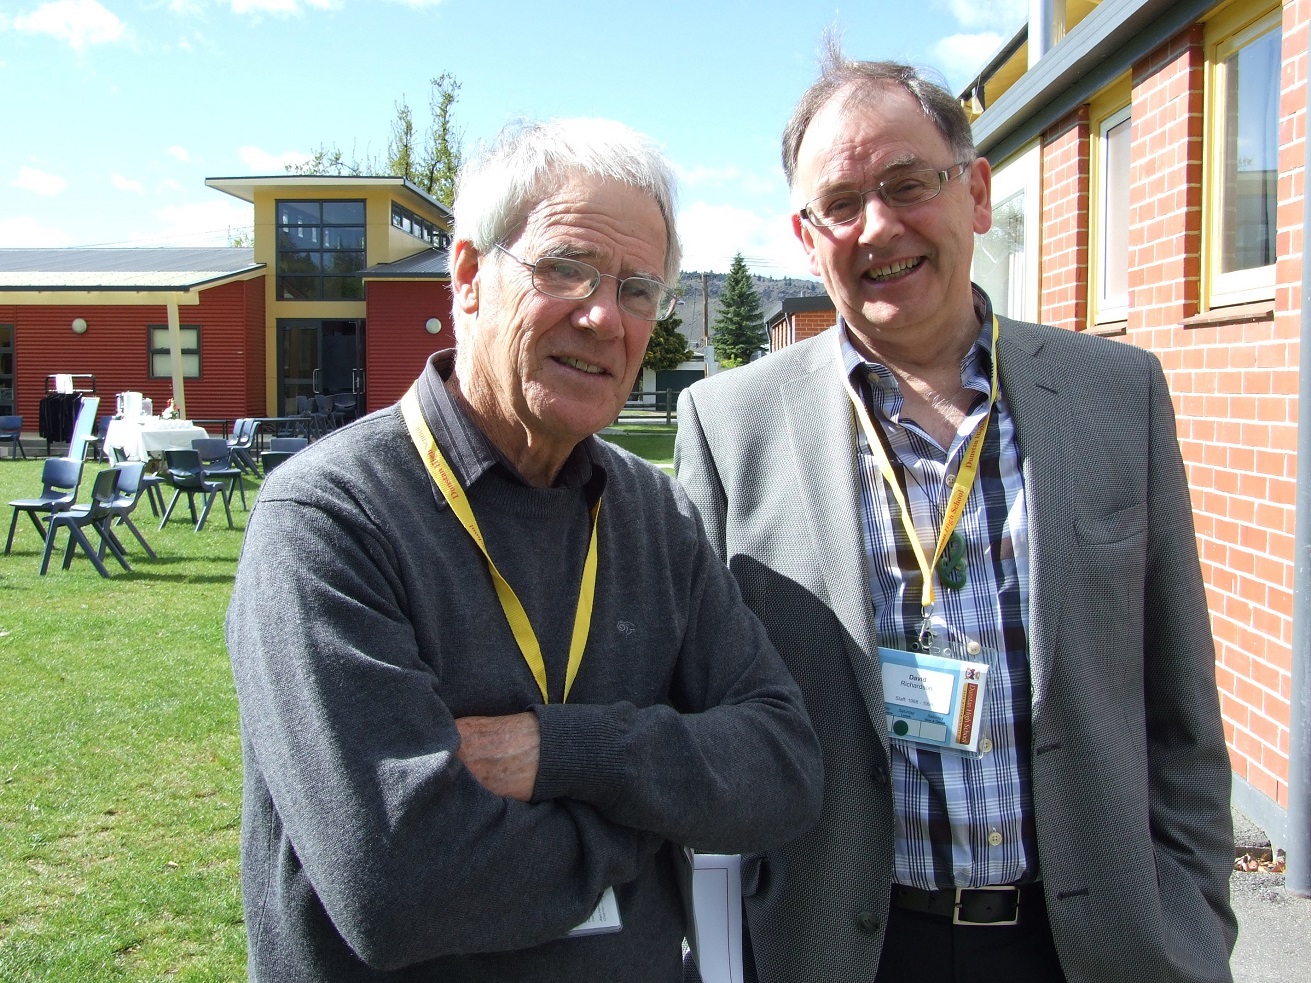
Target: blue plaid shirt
column 961, row 821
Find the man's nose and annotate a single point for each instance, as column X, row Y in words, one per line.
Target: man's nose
column 600, row 313
column 880, row 222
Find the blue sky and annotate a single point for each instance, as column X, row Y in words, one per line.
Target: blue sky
column 115, row 112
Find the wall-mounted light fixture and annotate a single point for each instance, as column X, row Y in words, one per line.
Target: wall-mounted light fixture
column 432, row 325
column 79, row 325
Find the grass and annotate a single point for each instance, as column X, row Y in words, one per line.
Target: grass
column 655, row 442
column 121, row 769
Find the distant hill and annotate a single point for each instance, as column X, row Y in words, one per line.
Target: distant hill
column 771, row 290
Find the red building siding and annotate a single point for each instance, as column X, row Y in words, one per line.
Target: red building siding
column 115, row 350
column 397, row 344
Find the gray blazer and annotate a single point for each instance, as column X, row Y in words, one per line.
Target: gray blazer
column 1131, row 776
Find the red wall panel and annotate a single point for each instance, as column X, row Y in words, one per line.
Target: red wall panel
column 397, row 345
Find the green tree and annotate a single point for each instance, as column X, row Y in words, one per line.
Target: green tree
column 667, row 348
column 432, row 162
column 739, row 329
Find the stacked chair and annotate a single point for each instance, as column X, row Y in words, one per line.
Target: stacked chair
column 96, row 515
column 60, row 478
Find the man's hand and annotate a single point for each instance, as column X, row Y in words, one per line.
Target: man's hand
column 502, row 752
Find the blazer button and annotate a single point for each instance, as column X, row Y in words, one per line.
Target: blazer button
column 868, row 922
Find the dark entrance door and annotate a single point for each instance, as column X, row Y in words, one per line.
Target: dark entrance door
column 320, row 357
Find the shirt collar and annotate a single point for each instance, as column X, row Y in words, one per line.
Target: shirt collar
column 975, row 369
column 472, row 455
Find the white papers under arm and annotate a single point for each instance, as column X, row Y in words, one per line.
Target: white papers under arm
column 717, row 892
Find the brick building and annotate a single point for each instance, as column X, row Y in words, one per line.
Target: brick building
column 799, row 317
column 1149, row 162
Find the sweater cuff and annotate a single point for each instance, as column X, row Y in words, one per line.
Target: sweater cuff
column 581, row 756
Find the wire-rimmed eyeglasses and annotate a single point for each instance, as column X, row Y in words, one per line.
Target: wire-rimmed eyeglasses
column 570, row 279
column 905, row 188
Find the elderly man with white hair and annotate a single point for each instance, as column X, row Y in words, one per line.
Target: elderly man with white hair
column 492, row 676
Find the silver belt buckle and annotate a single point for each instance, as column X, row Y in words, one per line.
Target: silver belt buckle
column 1014, row 920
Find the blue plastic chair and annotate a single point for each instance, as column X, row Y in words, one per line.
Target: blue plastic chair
column 60, row 478
column 11, row 433
column 130, row 488
column 97, row 514
column 184, row 472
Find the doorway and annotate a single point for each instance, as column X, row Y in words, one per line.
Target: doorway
column 320, row 357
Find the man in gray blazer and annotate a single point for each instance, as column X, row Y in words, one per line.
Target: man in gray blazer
column 924, row 496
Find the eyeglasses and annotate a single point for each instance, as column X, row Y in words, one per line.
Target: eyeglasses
column 569, row 279
column 906, row 188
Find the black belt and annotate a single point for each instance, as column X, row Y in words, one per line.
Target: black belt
column 1003, row 905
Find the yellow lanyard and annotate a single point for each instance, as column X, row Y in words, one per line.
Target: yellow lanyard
column 960, row 491
column 515, row 614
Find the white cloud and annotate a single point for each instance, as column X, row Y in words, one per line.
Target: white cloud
column 39, row 182
column 25, row 232
column 419, row 4
column 207, row 223
column 282, row 8
column 263, row 162
column 168, row 185
column 1006, row 15
column 122, row 183
column 79, row 22
column 967, row 54
column 179, row 152
column 712, row 234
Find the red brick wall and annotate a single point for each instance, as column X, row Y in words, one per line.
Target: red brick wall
column 1233, row 372
column 807, row 324
column 397, row 345
column 1063, row 264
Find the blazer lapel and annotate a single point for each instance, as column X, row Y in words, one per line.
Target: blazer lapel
column 822, row 431
column 1032, row 385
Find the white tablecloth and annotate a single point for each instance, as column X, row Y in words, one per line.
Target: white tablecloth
column 140, row 438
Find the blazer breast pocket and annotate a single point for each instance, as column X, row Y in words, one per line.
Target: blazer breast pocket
column 1118, row 525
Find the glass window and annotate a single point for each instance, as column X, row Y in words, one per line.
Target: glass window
column 161, row 359
column 321, row 250
column 1111, row 300
column 1006, row 256
column 1243, row 190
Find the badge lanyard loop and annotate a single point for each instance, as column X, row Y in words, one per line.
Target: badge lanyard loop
column 529, row 647
column 960, row 491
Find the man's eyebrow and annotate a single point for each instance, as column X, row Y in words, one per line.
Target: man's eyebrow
column 567, row 250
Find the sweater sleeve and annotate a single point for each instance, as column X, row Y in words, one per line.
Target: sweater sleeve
column 351, row 761
column 729, row 763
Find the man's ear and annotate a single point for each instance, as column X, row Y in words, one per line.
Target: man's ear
column 465, row 282
column 806, row 234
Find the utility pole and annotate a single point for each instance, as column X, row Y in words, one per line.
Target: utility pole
column 705, row 313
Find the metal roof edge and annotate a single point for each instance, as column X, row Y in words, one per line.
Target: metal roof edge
column 1100, row 48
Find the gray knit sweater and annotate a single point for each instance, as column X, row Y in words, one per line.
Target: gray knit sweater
column 363, row 622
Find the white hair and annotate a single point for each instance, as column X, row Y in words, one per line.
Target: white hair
column 525, row 163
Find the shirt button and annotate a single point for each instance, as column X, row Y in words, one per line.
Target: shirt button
column 994, row 838
column 950, row 479
column 985, row 746
column 867, row 922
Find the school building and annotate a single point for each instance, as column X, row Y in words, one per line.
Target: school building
column 346, row 289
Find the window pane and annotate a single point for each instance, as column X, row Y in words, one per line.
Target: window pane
column 299, row 237
column 190, row 339
column 343, row 238
column 299, row 287
column 161, row 366
column 299, row 262
column 343, row 213
column 158, row 338
column 298, row 213
column 341, row 263
column 1115, row 216
column 343, row 288
column 191, row 366
column 1251, row 155
column 999, row 257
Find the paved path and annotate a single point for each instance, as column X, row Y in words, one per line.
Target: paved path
column 1274, row 927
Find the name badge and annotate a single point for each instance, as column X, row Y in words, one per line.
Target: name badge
column 605, row 917
column 934, row 701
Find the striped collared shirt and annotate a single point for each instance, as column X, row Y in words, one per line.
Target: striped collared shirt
column 960, row 821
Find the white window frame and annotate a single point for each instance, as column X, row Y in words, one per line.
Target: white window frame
column 1256, row 283
column 1022, row 174
column 1105, row 308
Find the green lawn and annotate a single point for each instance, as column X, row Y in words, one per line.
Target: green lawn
column 121, row 796
column 653, row 442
